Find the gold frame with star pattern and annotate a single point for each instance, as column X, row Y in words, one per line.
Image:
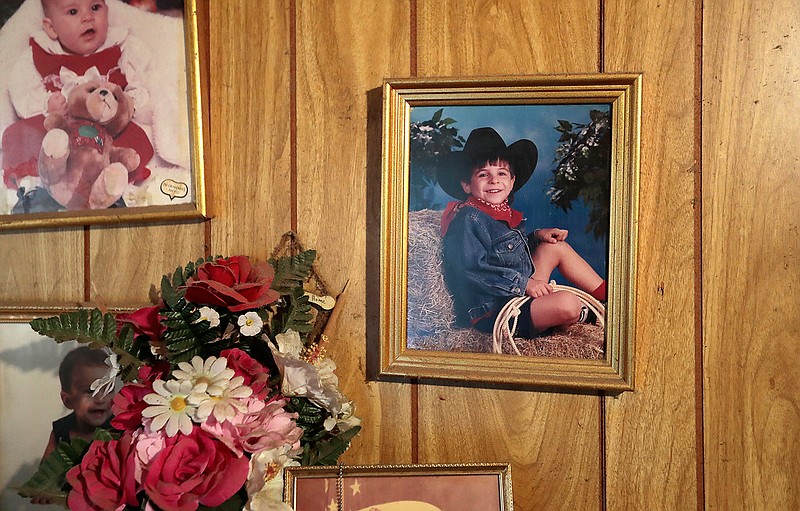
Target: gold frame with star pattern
column 431, row 487
column 439, row 349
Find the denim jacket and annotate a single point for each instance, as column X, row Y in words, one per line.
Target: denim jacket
column 485, row 264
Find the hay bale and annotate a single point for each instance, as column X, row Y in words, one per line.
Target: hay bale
column 430, row 305
column 431, row 314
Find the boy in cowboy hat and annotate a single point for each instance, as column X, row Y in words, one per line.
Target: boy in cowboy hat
column 487, row 256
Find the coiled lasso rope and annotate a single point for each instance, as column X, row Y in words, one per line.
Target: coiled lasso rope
column 505, row 326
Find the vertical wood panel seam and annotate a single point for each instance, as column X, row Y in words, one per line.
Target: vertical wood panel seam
column 602, row 440
column 412, row 5
column 293, row 112
column 698, row 257
column 207, row 237
column 601, row 35
column 87, row 264
column 414, row 420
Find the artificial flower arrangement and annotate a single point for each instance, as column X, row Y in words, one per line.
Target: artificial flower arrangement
column 225, row 382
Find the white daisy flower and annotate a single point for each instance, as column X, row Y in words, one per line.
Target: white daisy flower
column 173, row 404
column 250, row 324
column 213, row 372
column 225, row 405
column 210, row 315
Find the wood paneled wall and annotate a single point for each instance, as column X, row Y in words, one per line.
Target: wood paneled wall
column 294, row 125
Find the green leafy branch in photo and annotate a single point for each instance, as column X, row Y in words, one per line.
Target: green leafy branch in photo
column 582, row 173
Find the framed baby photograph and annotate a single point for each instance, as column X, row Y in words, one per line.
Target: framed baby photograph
column 30, row 396
column 508, row 229
column 400, row 487
column 100, row 123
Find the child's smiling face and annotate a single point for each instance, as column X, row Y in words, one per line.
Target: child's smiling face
column 90, row 411
column 491, row 182
column 80, row 26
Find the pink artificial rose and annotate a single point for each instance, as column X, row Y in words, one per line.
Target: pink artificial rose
column 255, row 375
column 270, row 428
column 146, row 446
column 233, row 283
column 144, row 321
column 194, row 469
column 227, row 431
column 264, row 426
column 104, row 480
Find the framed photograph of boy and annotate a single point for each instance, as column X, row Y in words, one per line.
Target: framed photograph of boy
column 100, row 112
column 400, row 487
column 508, row 229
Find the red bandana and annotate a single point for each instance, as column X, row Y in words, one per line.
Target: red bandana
column 502, row 212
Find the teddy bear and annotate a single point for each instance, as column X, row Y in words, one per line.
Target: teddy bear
column 79, row 165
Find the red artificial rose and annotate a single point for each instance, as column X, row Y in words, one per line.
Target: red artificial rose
column 104, row 480
column 233, row 283
column 144, row 321
column 255, row 375
column 194, row 469
column 158, row 370
column 128, row 404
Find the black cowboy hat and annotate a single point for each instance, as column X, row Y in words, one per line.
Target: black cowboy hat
column 484, row 144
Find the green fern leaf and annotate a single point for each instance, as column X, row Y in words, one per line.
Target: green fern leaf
column 298, row 315
column 91, row 327
column 292, row 271
column 50, row 477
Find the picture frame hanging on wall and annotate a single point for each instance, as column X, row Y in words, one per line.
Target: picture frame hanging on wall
column 472, row 274
column 104, row 131
column 29, row 364
column 432, row 487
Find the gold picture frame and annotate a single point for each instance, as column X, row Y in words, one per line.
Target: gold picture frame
column 169, row 186
column 28, row 374
column 433, row 487
column 415, row 113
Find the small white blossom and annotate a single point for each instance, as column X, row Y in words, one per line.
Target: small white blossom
column 210, row 315
column 250, row 324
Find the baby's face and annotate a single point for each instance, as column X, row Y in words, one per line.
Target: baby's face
column 80, row 26
column 90, row 411
column 492, row 182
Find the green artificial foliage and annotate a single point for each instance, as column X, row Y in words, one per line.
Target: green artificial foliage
column 50, row 480
column 292, row 271
column 295, row 314
column 96, row 329
column 186, row 335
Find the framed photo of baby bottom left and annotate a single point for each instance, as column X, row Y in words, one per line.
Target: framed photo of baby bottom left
column 106, row 128
column 30, row 393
